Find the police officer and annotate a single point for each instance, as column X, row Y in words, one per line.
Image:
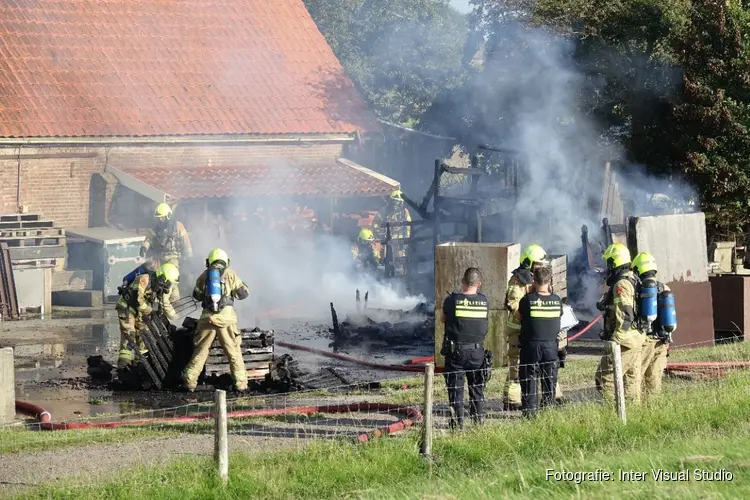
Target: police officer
column 656, row 345
column 465, row 315
column 618, row 305
column 519, row 285
column 221, row 323
column 539, row 313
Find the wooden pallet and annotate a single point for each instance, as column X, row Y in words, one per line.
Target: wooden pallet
column 35, row 224
column 257, row 354
column 19, row 217
column 33, row 233
column 30, row 241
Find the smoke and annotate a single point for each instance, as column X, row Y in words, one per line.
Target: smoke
column 527, row 97
column 291, row 269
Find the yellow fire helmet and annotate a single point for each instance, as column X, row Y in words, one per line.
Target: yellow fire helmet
column 533, row 254
column 616, row 255
column 365, row 236
column 396, row 195
column 643, row 263
column 217, row 254
column 169, row 272
column 163, row 211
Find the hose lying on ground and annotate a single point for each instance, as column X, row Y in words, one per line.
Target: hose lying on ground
column 410, row 416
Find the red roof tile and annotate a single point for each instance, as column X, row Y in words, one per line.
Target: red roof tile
column 327, row 179
column 161, row 67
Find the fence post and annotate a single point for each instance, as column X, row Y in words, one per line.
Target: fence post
column 221, row 445
column 429, row 377
column 619, row 385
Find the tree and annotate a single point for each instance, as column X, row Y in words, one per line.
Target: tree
column 399, row 53
column 624, row 49
column 711, row 125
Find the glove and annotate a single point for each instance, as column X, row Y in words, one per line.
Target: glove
column 601, row 306
column 561, row 355
column 143, row 251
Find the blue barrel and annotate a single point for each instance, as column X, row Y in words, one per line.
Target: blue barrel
column 667, row 311
column 647, row 300
column 213, row 287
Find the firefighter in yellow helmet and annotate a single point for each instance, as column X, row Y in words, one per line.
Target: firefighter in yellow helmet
column 619, row 308
column 217, row 288
column 519, row 285
column 364, row 253
column 658, row 335
column 136, row 303
column 395, row 212
column 168, row 241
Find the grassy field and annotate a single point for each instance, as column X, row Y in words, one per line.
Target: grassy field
column 17, row 439
column 703, row 426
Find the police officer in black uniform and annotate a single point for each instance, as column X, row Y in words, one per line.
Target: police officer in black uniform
column 539, row 313
column 465, row 316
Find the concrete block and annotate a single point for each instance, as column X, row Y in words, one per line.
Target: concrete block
column 80, row 298
column 678, row 242
column 7, row 386
column 496, row 261
column 72, row 280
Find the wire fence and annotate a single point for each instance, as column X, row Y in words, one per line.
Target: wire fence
column 434, row 404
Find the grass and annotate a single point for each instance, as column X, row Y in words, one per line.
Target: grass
column 18, row 439
column 703, row 426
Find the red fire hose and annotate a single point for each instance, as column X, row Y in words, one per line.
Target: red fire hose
column 410, row 416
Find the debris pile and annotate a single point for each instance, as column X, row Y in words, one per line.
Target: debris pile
column 391, row 326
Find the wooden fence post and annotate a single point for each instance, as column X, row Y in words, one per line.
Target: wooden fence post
column 221, row 444
column 429, row 378
column 619, row 384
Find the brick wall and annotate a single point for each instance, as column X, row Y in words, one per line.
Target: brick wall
column 61, row 188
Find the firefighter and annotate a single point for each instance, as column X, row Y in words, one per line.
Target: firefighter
column 136, row 303
column 539, row 313
column 658, row 336
column 465, row 315
column 168, row 241
column 365, row 253
column 519, row 285
column 394, row 212
column 618, row 305
column 217, row 288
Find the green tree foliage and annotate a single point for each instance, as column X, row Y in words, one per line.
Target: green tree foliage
column 711, row 124
column 400, row 53
column 624, row 49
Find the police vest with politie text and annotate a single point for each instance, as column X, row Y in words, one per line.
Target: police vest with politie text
column 543, row 321
column 466, row 318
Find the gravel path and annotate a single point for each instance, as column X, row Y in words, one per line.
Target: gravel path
column 88, row 464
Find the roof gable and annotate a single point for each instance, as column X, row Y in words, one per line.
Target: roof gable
column 87, row 68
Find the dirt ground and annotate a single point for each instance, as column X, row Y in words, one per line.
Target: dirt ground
column 96, row 462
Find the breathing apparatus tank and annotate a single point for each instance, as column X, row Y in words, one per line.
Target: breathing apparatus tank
column 667, row 312
column 647, row 302
column 213, row 287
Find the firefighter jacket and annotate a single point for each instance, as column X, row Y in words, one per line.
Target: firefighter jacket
column 517, row 290
column 140, row 298
column 394, row 214
column 364, row 255
column 232, row 287
column 619, row 307
column 169, row 244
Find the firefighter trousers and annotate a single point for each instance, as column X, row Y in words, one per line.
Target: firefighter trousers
column 465, row 365
column 631, row 346
column 130, row 328
column 230, row 340
column 653, row 363
column 538, row 361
